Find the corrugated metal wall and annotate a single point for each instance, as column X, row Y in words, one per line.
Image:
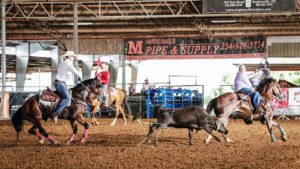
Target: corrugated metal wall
column 95, row 46
column 284, row 50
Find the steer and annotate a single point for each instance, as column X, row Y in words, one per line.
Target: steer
column 190, row 117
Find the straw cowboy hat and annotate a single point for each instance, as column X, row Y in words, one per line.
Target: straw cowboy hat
column 68, row 53
column 146, row 80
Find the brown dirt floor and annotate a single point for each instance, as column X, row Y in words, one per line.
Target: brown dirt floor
column 116, row 147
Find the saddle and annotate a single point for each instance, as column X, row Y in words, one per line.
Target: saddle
column 49, row 98
column 246, row 100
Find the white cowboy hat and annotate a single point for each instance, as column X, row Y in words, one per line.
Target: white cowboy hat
column 68, row 53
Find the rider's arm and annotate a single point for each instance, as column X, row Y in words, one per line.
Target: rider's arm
column 71, row 68
column 253, row 75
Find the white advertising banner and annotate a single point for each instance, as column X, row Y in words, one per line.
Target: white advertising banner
column 294, row 97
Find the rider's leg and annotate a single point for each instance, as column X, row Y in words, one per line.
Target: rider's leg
column 62, row 89
column 105, row 98
column 255, row 99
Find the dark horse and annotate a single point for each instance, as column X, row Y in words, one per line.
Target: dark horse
column 35, row 110
column 228, row 103
column 116, row 97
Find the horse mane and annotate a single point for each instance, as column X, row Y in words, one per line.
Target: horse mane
column 262, row 87
column 83, row 84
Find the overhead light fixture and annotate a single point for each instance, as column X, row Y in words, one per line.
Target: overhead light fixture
column 223, row 21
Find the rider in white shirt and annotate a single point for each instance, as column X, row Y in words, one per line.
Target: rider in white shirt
column 64, row 73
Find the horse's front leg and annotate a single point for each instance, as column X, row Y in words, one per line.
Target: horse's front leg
column 123, row 114
column 33, row 130
column 81, row 120
column 38, row 122
column 117, row 114
column 94, row 109
column 74, row 129
column 282, row 131
column 269, row 125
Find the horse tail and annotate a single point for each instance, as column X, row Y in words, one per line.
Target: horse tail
column 18, row 121
column 127, row 108
column 211, row 105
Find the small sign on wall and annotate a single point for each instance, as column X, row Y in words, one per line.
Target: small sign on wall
column 237, row 6
column 282, row 103
column 294, row 97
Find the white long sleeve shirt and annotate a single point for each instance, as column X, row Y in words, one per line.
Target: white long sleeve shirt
column 242, row 81
column 65, row 70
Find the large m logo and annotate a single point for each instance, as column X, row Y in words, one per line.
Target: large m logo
column 135, row 47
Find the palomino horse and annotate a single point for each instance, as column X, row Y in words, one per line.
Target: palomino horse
column 35, row 110
column 116, row 96
column 228, row 103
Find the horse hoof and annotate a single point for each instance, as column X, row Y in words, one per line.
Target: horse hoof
column 248, row 121
column 284, row 138
column 56, row 142
column 83, row 140
column 42, row 141
column 229, row 141
column 206, row 141
column 68, row 143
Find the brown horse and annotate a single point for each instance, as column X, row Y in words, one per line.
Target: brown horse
column 228, row 103
column 35, row 110
column 116, row 96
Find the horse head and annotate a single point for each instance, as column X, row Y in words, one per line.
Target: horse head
column 269, row 88
column 85, row 87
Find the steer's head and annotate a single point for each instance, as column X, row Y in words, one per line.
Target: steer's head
column 220, row 127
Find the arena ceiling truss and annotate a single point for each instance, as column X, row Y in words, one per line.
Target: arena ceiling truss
column 52, row 19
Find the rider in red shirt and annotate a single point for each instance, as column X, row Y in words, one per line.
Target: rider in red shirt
column 104, row 76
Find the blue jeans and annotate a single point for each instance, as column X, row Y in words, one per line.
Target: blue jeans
column 255, row 96
column 105, row 94
column 62, row 89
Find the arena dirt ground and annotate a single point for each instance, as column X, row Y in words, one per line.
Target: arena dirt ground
column 116, row 147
